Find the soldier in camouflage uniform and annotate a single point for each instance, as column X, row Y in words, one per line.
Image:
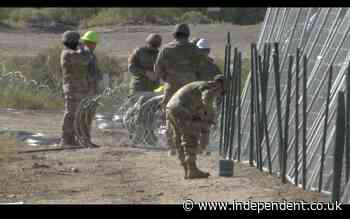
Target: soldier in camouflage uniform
column 177, row 64
column 187, row 111
column 144, row 81
column 141, row 65
column 208, row 74
column 89, row 42
column 74, row 65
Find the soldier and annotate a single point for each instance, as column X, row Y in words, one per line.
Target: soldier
column 74, row 65
column 141, row 65
column 89, row 42
column 187, row 113
column 206, row 75
column 144, row 81
column 177, row 64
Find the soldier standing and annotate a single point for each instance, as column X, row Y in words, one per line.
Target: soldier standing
column 187, row 112
column 74, row 64
column 143, row 82
column 206, row 75
column 141, row 65
column 177, row 64
column 89, row 42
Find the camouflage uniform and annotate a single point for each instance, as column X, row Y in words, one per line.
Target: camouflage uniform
column 93, row 77
column 206, row 75
column 178, row 64
column 141, row 60
column 188, row 111
column 74, row 65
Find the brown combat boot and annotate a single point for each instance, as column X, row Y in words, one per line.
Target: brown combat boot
column 184, row 165
column 194, row 172
column 68, row 141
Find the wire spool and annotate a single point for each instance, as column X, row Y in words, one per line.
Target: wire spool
column 226, row 168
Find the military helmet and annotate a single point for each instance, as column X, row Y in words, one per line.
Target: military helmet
column 154, row 39
column 90, row 36
column 182, row 28
column 70, row 37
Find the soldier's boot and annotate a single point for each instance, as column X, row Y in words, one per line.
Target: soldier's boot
column 192, row 170
column 68, row 140
column 184, row 165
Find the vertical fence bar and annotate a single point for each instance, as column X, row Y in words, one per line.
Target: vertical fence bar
column 228, row 98
column 320, row 181
column 296, row 145
column 339, row 147
column 304, row 119
column 347, row 144
column 252, row 91
column 278, row 101
column 239, row 131
column 223, row 109
column 234, row 97
column 264, row 74
column 286, row 127
column 257, row 114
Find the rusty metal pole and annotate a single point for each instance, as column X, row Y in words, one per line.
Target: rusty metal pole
column 304, row 120
column 325, row 127
column 339, row 147
column 296, row 143
column 278, row 102
column 286, row 126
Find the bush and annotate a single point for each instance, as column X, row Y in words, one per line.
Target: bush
column 135, row 16
column 47, row 16
column 243, row 16
column 45, row 71
column 195, row 17
column 88, row 17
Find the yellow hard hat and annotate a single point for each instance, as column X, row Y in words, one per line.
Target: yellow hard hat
column 160, row 89
column 90, row 36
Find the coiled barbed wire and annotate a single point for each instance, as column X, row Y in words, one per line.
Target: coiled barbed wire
column 141, row 115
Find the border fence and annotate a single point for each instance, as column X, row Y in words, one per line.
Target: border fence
column 292, row 118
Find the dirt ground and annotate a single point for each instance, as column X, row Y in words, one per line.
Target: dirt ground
column 118, row 173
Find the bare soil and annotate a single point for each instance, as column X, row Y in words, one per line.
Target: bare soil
column 119, row 173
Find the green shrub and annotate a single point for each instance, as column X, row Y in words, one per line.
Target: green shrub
column 45, row 70
column 195, row 17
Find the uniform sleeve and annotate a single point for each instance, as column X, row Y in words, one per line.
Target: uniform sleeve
column 134, row 66
column 160, row 66
column 202, row 63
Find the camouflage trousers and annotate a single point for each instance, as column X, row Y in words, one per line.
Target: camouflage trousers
column 71, row 103
column 186, row 135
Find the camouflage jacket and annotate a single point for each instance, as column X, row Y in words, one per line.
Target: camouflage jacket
column 94, row 75
column 74, row 66
column 193, row 101
column 179, row 63
column 141, row 60
column 210, row 71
